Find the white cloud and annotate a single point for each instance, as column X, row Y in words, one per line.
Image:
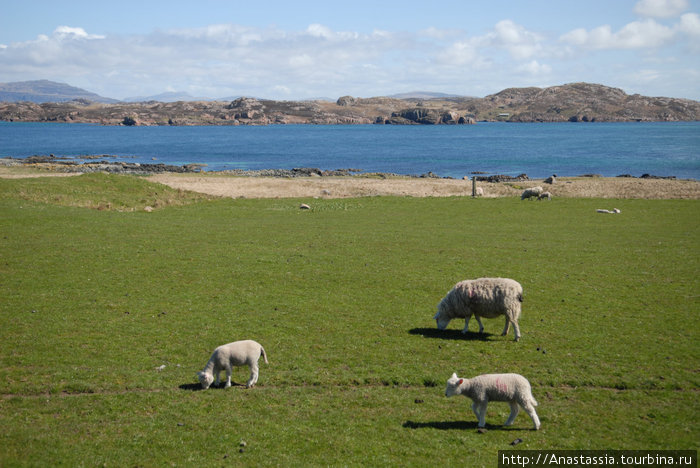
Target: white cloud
column 660, row 8
column 635, row 35
column 459, row 53
column 506, row 35
column 518, row 41
column 534, row 68
column 318, row 30
column 67, row 32
column 227, row 59
column 690, row 24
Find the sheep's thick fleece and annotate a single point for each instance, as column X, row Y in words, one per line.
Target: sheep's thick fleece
column 482, row 297
column 238, row 353
column 512, row 388
column 531, row 192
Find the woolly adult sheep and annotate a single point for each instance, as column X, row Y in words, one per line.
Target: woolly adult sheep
column 512, row 388
column 238, row 353
column 531, row 192
column 483, row 297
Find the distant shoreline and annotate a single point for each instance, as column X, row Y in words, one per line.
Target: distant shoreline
column 97, row 163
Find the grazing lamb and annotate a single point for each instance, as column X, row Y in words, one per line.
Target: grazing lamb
column 531, row 192
column 544, row 195
column 483, row 297
column 513, row 388
column 238, row 353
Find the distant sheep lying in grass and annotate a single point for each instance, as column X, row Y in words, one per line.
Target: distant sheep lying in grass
column 512, row 388
column 531, row 192
column 238, row 353
column 614, row 211
column 483, row 297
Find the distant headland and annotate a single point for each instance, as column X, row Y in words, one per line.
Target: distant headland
column 574, row 102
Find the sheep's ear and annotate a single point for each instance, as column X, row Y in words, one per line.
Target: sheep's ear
column 460, row 382
column 454, row 375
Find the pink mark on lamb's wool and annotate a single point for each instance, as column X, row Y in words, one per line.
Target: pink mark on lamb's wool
column 501, row 386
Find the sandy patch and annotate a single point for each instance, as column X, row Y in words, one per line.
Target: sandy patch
column 233, row 186
column 345, row 187
column 18, row 172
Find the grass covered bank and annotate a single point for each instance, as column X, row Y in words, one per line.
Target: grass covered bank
column 94, row 302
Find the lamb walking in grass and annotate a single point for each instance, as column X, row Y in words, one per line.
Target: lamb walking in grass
column 483, row 297
column 512, row 388
column 238, row 353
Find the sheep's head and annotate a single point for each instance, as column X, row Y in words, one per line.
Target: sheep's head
column 441, row 317
column 205, row 379
column 453, row 386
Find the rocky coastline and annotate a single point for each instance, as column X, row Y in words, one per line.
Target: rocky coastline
column 101, row 163
column 575, row 102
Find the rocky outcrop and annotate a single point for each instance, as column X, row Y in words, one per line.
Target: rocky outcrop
column 92, row 164
column 425, row 116
column 576, row 102
column 346, row 101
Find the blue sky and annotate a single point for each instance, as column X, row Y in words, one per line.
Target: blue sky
column 304, row 49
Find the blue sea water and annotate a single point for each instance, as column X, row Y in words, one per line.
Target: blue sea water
column 537, row 149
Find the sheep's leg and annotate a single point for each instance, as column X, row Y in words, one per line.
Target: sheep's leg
column 475, row 408
column 530, row 410
column 216, row 377
column 481, row 325
column 228, row 377
column 253, row 375
column 466, row 324
column 482, row 413
column 516, row 329
column 514, row 410
column 507, row 327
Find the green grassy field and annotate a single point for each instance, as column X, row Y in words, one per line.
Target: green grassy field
column 95, row 298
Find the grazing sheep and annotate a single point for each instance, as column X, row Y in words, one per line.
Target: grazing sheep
column 479, row 192
column 513, row 388
column 483, row 297
column 544, row 195
column 238, row 353
column 531, row 192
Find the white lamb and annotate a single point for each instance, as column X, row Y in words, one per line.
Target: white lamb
column 512, row 388
column 531, row 192
column 238, row 353
column 544, row 195
column 483, row 297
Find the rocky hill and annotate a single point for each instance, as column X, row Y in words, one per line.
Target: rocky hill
column 585, row 102
column 577, row 102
